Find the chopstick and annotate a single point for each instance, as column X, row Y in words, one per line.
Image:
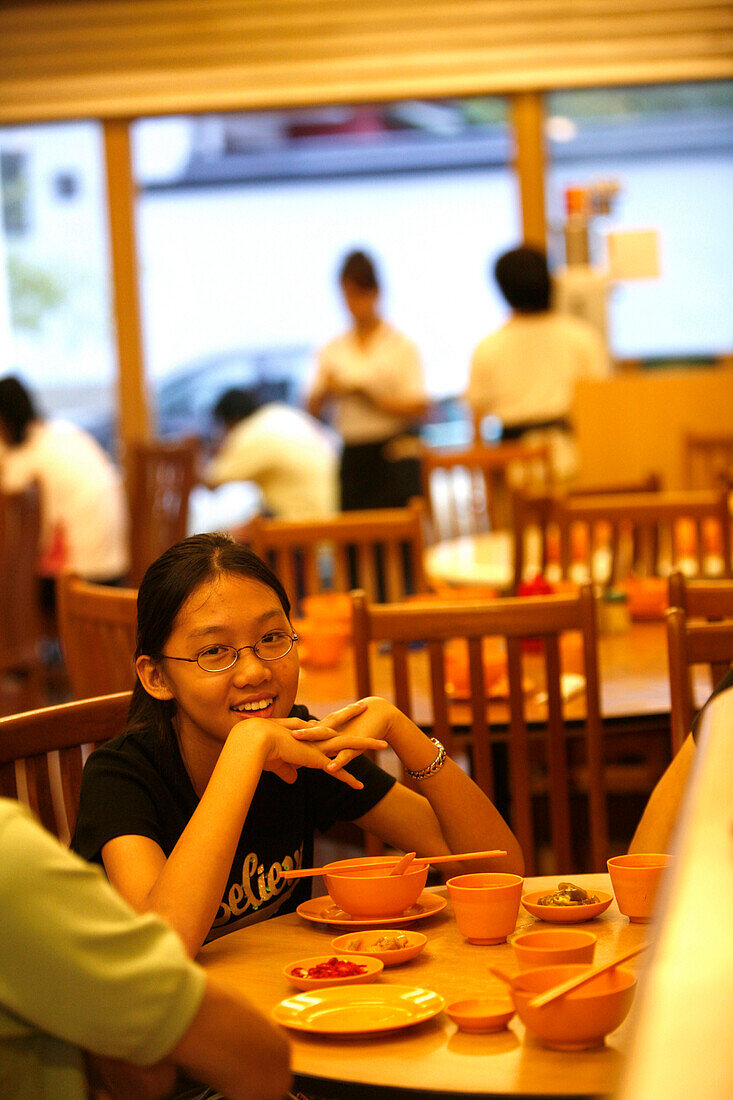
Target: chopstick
column 306, row 872
column 573, row 983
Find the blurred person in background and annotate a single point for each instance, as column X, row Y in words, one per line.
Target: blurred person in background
column 97, row 1001
column 84, row 521
column 525, row 372
column 287, row 453
column 369, row 382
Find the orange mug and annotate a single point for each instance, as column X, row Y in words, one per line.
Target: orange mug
column 485, row 905
column 635, row 880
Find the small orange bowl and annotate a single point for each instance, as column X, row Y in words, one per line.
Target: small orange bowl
column 581, row 1019
column 554, row 947
column 372, row 967
column 370, row 892
column 566, row 914
column 364, row 943
column 481, row 1014
column 334, row 607
column 635, row 880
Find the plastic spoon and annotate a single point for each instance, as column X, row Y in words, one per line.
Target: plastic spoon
column 401, row 867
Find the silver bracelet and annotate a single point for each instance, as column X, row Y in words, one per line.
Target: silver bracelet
column 436, row 765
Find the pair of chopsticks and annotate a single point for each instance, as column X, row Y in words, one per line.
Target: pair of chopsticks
column 573, row 983
column 385, row 865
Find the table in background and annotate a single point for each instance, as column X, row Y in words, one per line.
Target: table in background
column 432, row 1058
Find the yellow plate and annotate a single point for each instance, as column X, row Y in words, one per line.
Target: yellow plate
column 323, row 911
column 359, row 1009
column 566, row 914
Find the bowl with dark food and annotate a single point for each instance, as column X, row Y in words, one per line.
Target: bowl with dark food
column 322, row 970
column 568, row 904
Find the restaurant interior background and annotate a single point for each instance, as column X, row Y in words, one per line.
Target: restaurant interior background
column 240, row 218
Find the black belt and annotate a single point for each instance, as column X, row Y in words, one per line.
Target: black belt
column 515, row 431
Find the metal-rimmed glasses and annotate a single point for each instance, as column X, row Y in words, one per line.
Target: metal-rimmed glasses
column 218, row 658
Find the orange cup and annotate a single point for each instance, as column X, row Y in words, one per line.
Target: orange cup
column 635, row 880
column 485, row 905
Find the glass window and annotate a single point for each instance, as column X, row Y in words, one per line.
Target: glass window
column 244, row 220
column 54, row 254
column 670, row 149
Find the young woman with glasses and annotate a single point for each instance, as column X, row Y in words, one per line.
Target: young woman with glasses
column 219, row 780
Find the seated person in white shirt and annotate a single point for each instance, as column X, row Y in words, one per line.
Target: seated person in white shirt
column 525, row 372
column 369, row 382
column 80, row 971
column 287, row 453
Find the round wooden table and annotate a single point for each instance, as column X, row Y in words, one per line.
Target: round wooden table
column 432, row 1058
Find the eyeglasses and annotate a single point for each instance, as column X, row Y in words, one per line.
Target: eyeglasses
column 218, row 658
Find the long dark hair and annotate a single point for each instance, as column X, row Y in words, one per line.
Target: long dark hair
column 17, row 409
column 166, row 586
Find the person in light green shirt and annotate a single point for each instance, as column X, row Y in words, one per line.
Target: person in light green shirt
column 81, row 971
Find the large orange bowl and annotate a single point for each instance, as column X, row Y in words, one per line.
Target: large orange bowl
column 582, row 1018
column 369, row 891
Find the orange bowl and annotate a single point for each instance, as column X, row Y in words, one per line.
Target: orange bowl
column 635, row 880
column 554, row 947
column 333, row 606
column 566, row 914
column 322, row 642
column 373, row 892
column 365, row 943
column 481, row 1014
column 372, row 967
column 582, row 1018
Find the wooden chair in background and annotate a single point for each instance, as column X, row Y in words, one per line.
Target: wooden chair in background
column 692, row 642
column 97, row 630
column 380, row 551
column 536, row 757
column 467, row 491
column 162, row 474
column 612, row 536
column 42, row 754
column 20, row 626
column 708, row 459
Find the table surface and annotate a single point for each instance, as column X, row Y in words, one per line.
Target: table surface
column 433, row 1056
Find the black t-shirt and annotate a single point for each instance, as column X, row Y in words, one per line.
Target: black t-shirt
column 722, row 685
column 137, row 785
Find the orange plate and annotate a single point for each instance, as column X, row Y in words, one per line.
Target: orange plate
column 395, row 957
column 323, row 911
column 373, row 967
column 566, row 914
column 360, row 1010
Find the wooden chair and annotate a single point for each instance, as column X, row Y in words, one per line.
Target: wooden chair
column 20, row 627
column 692, row 642
column 701, row 599
column 381, row 551
column 162, row 474
column 42, row 754
column 467, row 490
column 535, row 755
column 708, row 459
column 536, row 523
column 648, row 534
column 97, row 630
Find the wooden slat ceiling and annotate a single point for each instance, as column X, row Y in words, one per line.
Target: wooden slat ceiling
column 117, row 58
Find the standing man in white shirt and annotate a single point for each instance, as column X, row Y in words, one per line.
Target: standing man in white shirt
column 287, row 453
column 370, row 382
column 525, row 372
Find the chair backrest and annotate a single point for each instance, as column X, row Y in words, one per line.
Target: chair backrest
column 467, row 490
column 42, row 754
column 97, row 630
column 162, row 474
column 380, row 551
column 708, row 459
column 20, row 524
column 542, row 619
column 692, row 642
column 613, row 535
column 701, row 599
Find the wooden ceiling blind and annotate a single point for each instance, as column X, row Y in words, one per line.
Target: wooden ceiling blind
column 117, row 58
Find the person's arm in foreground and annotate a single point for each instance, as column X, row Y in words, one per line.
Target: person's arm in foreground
column 654, row 831
column 453, row 816
column 79, row 964
column 187, row 887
